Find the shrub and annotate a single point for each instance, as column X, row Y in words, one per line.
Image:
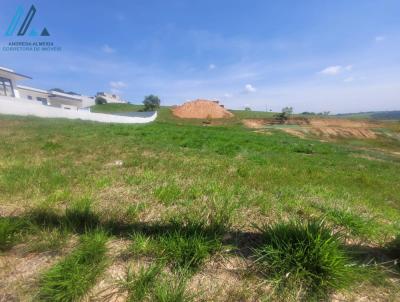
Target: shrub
column 303, row 255
column 284, row 115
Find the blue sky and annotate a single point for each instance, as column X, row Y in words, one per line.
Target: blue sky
column 338, row 55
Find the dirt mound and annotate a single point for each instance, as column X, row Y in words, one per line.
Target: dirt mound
column 201, row 109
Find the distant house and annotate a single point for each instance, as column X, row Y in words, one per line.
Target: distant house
column 110, row 98
column 54, row 98
column 8, row 82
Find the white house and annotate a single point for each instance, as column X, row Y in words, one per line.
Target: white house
column 110, row 98
column 28, row 101
column 8, row 85
column 9, row 88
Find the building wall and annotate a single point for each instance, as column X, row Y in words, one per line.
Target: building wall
column 64, row 103
column 33, row 108
column 32, row 95
column 87, row 101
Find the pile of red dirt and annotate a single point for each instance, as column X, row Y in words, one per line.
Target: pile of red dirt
column 201, row 109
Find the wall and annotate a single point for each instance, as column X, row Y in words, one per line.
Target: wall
column 34, row 94
column 24, row 107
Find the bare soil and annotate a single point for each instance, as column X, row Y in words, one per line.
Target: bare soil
column 324, row 128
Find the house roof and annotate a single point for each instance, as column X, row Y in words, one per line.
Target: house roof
column 54, row 93
column 14, row 74
column 32, row 89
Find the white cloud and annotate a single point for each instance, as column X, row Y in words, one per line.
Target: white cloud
column 228, row 95
column 117, row 84
column 212, row 66
column 249, row 88
column 379, row 38
column 348, row 67
column 107, row 49
column 335, row 70
column 332, row 70
column 349, row 79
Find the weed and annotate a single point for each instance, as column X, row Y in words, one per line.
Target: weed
column 181, row 245
column 139, row 284
column 186, row 248
column 168, row 194
column 47, row 240
column 80, row 216
column 355, row 224
column 71, row 278
column 141, row 244
column 133, row 210
column 303, row 255
column 172, row 289
column 152, row 284
column 10, row 229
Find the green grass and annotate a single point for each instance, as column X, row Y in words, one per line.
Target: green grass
column 10, row 229
column 181, row 245
column 152, row 284
column 71, row 278
column 219, row 180
column 306, row 255
column 46, row 239
column 111, row 108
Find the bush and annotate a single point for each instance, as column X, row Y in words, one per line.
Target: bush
column 284, row 115
column 151, row 102
column 306, row 256
column 100, row 100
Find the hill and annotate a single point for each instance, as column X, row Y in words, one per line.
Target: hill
column 379, row 115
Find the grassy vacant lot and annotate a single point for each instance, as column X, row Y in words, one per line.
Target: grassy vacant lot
column 181, row 211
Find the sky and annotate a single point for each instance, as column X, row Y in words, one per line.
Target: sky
column 314, row 55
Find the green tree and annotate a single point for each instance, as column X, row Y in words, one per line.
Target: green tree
column 284, row 115
column 151, row 102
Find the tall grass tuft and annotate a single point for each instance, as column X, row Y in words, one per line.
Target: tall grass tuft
column 184, row 245
column 303, row 256
column 10, row 227
column 138, row 285
column 152, row 284
column 71, row 278
column 187, row 248
column 80, row 217
column 172, row 289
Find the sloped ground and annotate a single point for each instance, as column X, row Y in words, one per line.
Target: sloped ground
column 327, row 128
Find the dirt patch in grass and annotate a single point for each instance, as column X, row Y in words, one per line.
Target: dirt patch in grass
column 201, row 109
column 107, row 289
column 343, row 132
column 19, row 271
column 323, row 128
column 225, row 279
